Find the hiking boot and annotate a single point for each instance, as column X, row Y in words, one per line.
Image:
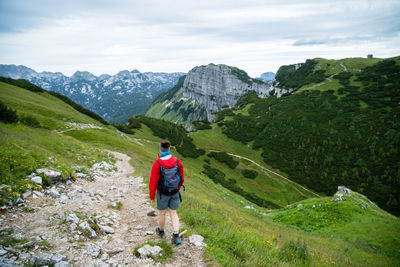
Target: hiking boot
column 160, row 233
column 176, row 239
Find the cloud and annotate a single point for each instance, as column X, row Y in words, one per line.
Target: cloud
column 154, row 35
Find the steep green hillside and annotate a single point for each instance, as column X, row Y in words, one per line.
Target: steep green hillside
column 235, row 235
column 345, row 134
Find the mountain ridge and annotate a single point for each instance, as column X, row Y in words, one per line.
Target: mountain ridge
column 206, row 89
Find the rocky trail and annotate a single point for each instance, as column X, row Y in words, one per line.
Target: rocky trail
column 89, row 223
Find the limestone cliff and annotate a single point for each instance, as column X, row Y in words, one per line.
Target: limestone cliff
column 203, row 91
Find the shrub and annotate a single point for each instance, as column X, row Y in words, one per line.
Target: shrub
column 7, row 115
column 218, row 177
column 224, row 158
column 29, row 121
column 124, row 128
column 251, row 174
column 202, row 125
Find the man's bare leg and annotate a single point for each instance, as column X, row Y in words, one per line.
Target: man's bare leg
column 174, row 220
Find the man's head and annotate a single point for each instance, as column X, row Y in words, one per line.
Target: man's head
column 164, row 145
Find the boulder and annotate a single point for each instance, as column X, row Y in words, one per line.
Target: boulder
column 147, row 250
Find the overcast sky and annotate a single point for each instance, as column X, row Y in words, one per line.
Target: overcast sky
column 160, row 35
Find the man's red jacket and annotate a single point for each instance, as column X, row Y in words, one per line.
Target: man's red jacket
column 167, row 161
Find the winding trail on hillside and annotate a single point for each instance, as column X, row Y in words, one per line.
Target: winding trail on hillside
column 328, row 79
column 268, row 170
column 131, row 224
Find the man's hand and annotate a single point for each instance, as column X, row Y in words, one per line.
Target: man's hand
column 153, row 203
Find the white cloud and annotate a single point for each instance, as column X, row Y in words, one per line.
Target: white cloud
column 256, row 36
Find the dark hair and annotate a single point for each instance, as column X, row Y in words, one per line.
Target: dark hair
column 165, row 143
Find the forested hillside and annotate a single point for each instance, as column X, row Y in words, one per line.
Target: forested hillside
column 345, row 132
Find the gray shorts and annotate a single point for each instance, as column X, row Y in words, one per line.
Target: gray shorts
column 164, row 201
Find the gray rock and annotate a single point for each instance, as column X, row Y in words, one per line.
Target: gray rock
column 27, row 193
column 62, row 264
column 5, row 262
column 24, row 256
column 37, row 179
column 86, row 226
column 73, row 218
column 43, row 259
column 337, row 197
column 73, row 227
column 29, row 244
column 149, row 233
column 344, row 190
column 63, row 199
column 38, row 193
column 93, row 250
column 197, row 240
column 58, row 258
column 147, row 250
column 3, row 252
column 18, row 236
column 107, row 229
column 53, row 192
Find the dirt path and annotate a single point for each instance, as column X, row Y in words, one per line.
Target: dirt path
column 49, row 223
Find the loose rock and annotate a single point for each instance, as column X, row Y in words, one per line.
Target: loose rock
column 197, row 240
column 73, row 218
column 37, row 179
column 93, row 250
column 107, row 229
column 147, row 250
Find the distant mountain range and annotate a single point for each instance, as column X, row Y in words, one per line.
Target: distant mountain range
column 115, row 98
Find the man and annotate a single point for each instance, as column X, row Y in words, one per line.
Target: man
column 167, row 178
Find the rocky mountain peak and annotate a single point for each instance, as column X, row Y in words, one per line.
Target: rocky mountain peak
column 83, row 75
column 215, row 86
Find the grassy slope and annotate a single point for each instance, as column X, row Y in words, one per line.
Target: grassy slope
column 332, row 67
column 235, row 235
